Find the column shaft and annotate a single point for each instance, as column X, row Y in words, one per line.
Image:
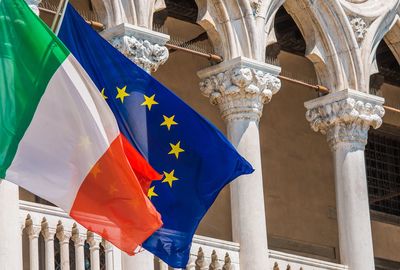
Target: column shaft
column 95, row 258
column 345, row 117
column 240, row 87
column 247, row 198
column 64, row 254
column 10, row 227
column 354, row 223
column 142, row 261
column 80, row 256
column 49, row 253
column 34, row 252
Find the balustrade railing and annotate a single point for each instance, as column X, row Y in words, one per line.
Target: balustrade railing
column 54, row 241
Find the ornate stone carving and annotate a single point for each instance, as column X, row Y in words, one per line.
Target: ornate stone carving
column 142, row 46
column 240, row 90
column 360, row 27
column 143, row 53
column 256, row 6
column 347, row 119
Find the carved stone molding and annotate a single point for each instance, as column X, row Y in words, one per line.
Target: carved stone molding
column 240, row 87
column 345, row 117
column 360, row 27
column 142, row 46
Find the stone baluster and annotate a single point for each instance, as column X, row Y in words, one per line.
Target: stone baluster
column 214, row 265
column 162, row 265
column 48, row 236
column 94, row 243
column 191, row 264
column 345, row 117
column 240, row 87
column 227, row 262
column 63, row 237
column 200, row 261
column 33, row 232
column 79, row 244
column 108, row 250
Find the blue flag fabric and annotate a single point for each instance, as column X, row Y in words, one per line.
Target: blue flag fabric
column 196, row 159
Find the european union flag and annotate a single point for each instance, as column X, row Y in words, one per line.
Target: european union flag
column 196, row 159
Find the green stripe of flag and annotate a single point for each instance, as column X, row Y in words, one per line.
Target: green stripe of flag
column 29, row 56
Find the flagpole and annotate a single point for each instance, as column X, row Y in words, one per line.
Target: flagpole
column 59, row 16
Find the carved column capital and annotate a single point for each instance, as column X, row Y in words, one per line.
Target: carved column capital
column 240, row 87
column 142, row 46
column 345, row 117
column 34, row 5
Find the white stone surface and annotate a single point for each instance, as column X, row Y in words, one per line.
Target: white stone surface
column 345, row 117
column 34, row 214
column 10, row 228
column 142, row 261
column 240, row 87
column 137, row 12
column 142, row 46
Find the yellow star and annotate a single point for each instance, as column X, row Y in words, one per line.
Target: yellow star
column 96, row 170
column 149, row 101
column 176, row 149
column 113, row 190
column 103, row 94
column 168, row 121
column 122, row 93
column 169, row 178
column 151, row 193
column 85, row 142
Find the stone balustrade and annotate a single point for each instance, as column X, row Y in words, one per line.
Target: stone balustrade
column 52, row 241
column 285, row 261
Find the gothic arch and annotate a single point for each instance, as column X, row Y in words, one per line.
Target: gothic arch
column 136, row 12
column 341, row 35
column 392, row 38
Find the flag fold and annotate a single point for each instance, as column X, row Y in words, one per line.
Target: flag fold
column 59, row 139
column 194, row 157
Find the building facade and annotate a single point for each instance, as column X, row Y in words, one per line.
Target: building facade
column 325, row 193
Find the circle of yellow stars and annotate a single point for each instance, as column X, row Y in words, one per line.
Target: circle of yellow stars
column 169, row 122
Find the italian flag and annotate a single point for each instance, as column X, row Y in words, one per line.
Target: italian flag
column 59, row 139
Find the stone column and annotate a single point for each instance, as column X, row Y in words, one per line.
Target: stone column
column 79, row 244
column 10, row 227
column 142, row 46
column 240, row 87
column 146, row 49
column 48, row 236
column 94, row 243
column 345, row 117
column 64, row 238
column 33, row 234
